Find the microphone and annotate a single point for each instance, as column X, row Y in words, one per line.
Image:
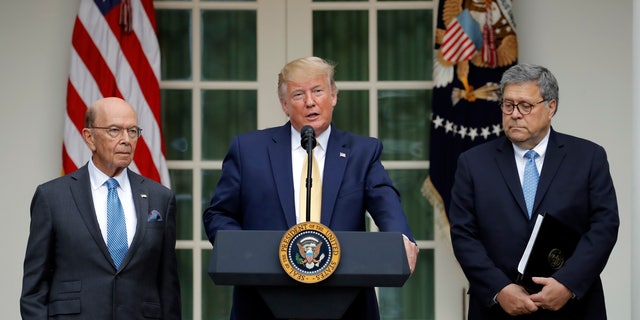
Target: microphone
column 308, row 142
column 308, row 138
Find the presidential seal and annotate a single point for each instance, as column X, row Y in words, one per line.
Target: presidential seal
column 309, row 252
column 555, row 258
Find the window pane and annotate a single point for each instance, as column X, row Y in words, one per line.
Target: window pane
column 415, row 300
column 216, row 300
column 174, row 38
column 185, row 276
column 229, row 45
column 225, row 114
column 352, row 112
column 209, row 181
column 405, row 45
column 417, row 208
column 182, row 185
column 403, row 119
column 342, row 37
column 176, row 123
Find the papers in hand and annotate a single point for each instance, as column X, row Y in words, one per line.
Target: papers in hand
column 532, row 240
column 551, row 243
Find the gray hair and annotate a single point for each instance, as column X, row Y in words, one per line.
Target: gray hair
column 90, row 116
column 520, row 73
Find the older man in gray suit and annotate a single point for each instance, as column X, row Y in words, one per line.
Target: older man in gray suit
column 102, row 239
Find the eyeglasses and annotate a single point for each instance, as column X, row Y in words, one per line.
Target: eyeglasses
column 114, row 132
column 523, row 107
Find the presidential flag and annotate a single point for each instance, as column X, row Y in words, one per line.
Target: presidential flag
column 475, row 43
column 115, row 52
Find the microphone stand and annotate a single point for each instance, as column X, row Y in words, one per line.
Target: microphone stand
column 308, row 142
column 309, row 182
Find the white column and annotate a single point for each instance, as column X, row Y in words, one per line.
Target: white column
column 635, row 169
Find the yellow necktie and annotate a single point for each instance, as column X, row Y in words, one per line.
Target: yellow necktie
column 316, row 191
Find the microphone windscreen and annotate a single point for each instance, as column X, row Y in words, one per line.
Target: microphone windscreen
column 307, row 135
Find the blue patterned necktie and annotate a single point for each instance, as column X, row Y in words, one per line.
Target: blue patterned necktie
column 530, row 183
column 116, row 227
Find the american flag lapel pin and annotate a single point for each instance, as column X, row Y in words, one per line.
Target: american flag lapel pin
column 343, row 155
column 142, row 195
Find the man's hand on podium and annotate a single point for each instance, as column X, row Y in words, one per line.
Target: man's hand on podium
column 412, row 252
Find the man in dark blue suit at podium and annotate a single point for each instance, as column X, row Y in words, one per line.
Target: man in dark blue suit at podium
column 261, row 184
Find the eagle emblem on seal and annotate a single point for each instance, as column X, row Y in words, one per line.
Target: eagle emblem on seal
column 309, row 250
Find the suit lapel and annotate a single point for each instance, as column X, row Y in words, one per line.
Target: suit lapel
column 279, row 149
column 335, row 163
column 553, row 158
column 505, row 159
column 140, row 196
column 83, row 198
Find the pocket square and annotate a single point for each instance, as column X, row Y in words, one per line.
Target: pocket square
column 154, row 215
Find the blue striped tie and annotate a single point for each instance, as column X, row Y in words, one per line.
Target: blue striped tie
column 116, row 226
column 530, row 183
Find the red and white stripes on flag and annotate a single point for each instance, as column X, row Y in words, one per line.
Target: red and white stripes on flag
column 462, row 38
column 115, row 52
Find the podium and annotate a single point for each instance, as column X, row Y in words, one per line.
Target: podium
column 250, row 258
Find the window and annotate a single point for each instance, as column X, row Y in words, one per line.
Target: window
column 220, row 61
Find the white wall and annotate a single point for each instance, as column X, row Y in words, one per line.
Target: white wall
column 35, row 38
column 586, row 43
column 635, row 172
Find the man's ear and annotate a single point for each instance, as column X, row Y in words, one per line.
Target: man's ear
column 283, row 104
column 553, row 108
column 88, row 137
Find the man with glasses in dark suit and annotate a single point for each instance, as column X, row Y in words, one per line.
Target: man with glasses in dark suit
column 498, row 192
column 102, row 239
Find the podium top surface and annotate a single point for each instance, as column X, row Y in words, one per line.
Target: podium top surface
column 250, row 258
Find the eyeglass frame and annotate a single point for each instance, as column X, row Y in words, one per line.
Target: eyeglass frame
column 515, row 106
column 110, row 130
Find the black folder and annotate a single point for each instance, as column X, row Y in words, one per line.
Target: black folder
column 550, row 245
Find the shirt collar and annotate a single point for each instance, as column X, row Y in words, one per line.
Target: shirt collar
column 98, row 178
column 322, row 140
column 540, row 148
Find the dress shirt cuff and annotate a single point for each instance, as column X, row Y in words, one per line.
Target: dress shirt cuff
column 494, row 301
column 405, row 236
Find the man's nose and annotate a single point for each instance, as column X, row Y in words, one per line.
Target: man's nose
column 516, row 113
column 308, row 100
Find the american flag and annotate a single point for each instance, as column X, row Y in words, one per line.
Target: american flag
column 465, row 109
column 115, row 52
column 462, row 38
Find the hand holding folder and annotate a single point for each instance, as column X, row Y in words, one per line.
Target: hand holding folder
column 551, row 243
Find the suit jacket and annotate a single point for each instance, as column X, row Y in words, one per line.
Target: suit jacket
column 255, row 192
column 490, row 226
column 68, row 271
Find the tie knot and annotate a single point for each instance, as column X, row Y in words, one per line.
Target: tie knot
column 531, row 155
column 112, row 183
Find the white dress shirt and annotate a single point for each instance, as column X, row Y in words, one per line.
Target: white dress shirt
column 298, row 154
column 521, row 161
column 99, row 191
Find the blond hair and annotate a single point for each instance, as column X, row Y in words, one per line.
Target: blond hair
column 303, row 69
